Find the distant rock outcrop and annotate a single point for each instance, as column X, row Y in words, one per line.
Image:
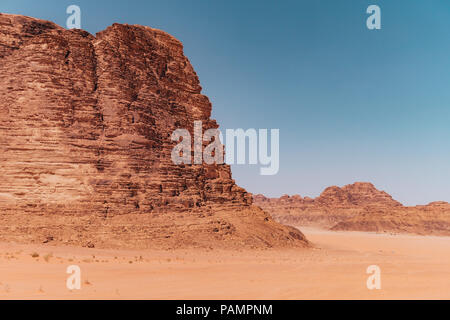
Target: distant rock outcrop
column 359, row 194
column 360, row 207
column 85, row 144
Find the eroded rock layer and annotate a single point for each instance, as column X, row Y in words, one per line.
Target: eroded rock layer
column 358, row 207
column 85, row 135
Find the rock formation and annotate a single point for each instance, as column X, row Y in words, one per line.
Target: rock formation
column 85, row 144
column 359, row 207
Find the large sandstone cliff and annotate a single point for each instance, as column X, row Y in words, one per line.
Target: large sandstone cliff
column 85, row 144
column 358, row 207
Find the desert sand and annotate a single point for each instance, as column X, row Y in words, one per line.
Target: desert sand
column 412, row 267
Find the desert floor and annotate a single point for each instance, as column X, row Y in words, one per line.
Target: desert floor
column 412, row 267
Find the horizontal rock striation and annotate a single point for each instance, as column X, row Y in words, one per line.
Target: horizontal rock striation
column 85, row 133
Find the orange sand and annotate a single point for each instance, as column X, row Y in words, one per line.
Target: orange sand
column 412, row 267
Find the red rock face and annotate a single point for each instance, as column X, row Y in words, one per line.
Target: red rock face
column 359, row 194
column 91, row 119
column 360, row 207
column 86, row 124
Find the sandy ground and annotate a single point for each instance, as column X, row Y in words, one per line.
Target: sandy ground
column 412, row 267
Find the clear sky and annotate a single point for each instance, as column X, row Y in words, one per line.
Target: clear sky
column 351, row 104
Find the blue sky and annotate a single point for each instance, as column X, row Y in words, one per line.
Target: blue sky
column 351, row 104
